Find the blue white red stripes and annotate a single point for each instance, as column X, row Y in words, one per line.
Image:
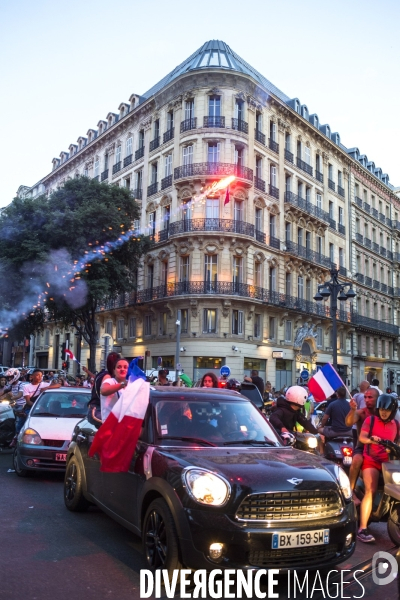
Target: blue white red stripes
column 324, row 383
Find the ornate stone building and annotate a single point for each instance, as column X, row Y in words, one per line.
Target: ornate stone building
column 243, row 272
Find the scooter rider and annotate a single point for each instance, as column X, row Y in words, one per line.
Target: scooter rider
column 287, row 411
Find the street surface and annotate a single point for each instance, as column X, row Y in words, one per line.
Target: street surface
column 50, row 553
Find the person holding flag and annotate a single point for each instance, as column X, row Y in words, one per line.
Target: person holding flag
column 112, row 385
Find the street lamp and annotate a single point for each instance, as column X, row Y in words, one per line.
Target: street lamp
column 336, row 290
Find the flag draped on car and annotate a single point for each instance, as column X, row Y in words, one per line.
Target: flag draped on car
column 324, row 383
column 116, row 440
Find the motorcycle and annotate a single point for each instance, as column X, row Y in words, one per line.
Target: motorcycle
column 386, row 505
column 7, row 423
column 339, row 449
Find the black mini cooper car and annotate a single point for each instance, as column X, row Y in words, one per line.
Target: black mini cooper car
column 211, row 486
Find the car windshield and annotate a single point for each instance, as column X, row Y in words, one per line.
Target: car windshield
column 214, row 423
column 65, row 404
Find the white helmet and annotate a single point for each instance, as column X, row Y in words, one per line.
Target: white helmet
column 14, row 373
column 296, row 395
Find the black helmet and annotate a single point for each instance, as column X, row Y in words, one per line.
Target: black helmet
column 388, row 402
column 232, row 384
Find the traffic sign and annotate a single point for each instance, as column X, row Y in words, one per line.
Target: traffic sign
column 225, row 371
column 305, row 374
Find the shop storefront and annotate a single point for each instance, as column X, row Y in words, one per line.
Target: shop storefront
column 254, row 363
column 284, row 373
column 203, row 364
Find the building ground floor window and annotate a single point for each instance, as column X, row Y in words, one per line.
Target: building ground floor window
column 203, row 364
column 284, row 373
column 167, row 362
column 255, row 363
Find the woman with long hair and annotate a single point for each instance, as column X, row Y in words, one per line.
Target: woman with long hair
column 113, row 383
column 209, row 380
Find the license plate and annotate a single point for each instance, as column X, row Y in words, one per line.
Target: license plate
column 300, row 538
column 61, row 457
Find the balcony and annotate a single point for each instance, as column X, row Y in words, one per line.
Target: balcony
column 138, row 193
column 274, row 191
column 218, row 225
column 375, row 247
column 259, row 184
column 331, row 185
column 367, row 243
column 213, row 169
column 304, row 166
column 342, row 271
column 390, row 290
column 340, row 190
column 359, row 278
column 104, row 175
column 366, row 207
column 358, row 201
column 259, row 136
column 388, row 222
column 96, row 177
column 384, row 288
column 359, row 238
column 154, row 143
column 306, row 206
column 396, row 225
column 332, row 223
column 166, row 182
column 390, row 254
column 128, row 160
column 374, row 213
column 382, row 251
column 260, row 236
column 152, row 189
column 308, row 254
column 382, row 326
column 341, row 229
column 161, row 236
column 396, row 291
column 188, row 124
column 319, row 176
column 289, row 156
column 368, row 281
column 274, row 146
column 376, row 285
column 139, row 153
column 117, row 167
column 213, row 121
column 396, row 256
column 168, row 135
column 240, row 125
column 382, row 218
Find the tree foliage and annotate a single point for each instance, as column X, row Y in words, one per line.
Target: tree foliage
column 65, row 256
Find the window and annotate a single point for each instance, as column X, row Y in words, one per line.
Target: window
column 319, row 244
column 154, row 172
column 214, row 106
column 330, row 172
column 128, row 149
column 118, row 154
column 288, row 331
column 308, row 194
column 189, row 109
column 239, row 110
column 308, row 240
column 272, row 328
column 141, row 138
column 287, row 141
column 340, row 178
column 147, row 325
column 139, row 179
column 272, row 175
column 184, row 320
column 342, row 341
column 307, row 155
column 163, row 323
column 318, row 163
column 272, row 226
column 164, row 272
column 127, row 182
column 331, row 210
column 300, row 236
column 300, row 288
column 331, row 253
column 210, row 269
column 300, row 187
column 308, row 290
column 96, row 168
column 258, row 219
column 340, row 215
column 299, row 149
column 288, row 284
column 239, row 156
column 259, row 167
column 109, row 328
column 209, row 320
column 257, row 274
column 166, row 216
column 156, row 128
column 213, row 152
column 237, row 322
column 168, row 165
column 341, row 257
column 46, row 337
column 288, row 231
column 170, row 120
column 150, row 276
column 187, row 155
column 257, row 325
column 152, row 223
column 288, row 183
column 238, row 210
column 237, row 269
column 320, row 338
column 186, row 210
column 120, row 329
column 184, row 271
column 132, row 327
column 272, row 131
column 272, row 279
column 212, row 208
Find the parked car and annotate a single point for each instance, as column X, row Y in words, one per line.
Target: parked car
column 43, row 442
column 211, row 486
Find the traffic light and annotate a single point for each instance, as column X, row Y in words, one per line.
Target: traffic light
column 65, row 366
column 391, row 377
column 63, row 348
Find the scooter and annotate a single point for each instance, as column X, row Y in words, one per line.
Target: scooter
column 339, row 449
column 386, row 505
column 7, row 423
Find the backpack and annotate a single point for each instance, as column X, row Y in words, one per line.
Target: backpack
column 95, row 395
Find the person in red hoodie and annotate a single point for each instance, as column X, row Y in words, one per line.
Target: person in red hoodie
column 383, row 426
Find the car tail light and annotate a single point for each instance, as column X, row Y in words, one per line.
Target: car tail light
column 347, row 450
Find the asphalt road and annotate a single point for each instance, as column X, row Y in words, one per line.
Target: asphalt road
column 50, row 553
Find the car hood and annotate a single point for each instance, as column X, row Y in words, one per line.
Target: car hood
column 53, row 428
column 265, row 468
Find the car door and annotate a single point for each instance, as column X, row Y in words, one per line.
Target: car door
column 94, row 477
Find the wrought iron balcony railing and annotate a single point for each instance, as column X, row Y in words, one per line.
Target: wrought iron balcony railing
column 375, row 247
column 289, row 156
column 273, row 191
column 360, row 277
column 104, row 175
column 220, row 225
column 319, row 176
column 342, row 271
column 366, row 207
column 308, row 254
column 214, row 169
column 340, row 190
column 240, row 125
column 368, row 281
column 307, row 207
column 273, row 145
column 384, row 288
column 137, row 193
column 359, row 238
column 152, row 189
column 331, row 185
column 188, row 124
column 139, row 153
column 168, row 135
column 259, row 136
column 304, row 166
column 166, row 182
column 128, row 160
column 389, row 222
column 382, row 251
column 259, row 184
column 358, row 201
column 374, row 212
column 382, row 218
column 116, row 167
column 376, row 285
column 154, row 143
column 389, row 254
column 374, row 324
column 213, row 121
column 367, row 243
column 341, row 228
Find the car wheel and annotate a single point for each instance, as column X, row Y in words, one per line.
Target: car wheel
column 73, row 493
column 160, row 540
column 17, row 468
column 393, row 525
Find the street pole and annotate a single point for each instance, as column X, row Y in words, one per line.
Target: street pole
column 178, row 343
column 334, row 295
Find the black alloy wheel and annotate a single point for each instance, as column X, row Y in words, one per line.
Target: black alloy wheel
column 74, row 499
column 393, row 525
column 160, row 540
column 17, row 468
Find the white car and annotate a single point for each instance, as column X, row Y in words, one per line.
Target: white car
column 44, row 439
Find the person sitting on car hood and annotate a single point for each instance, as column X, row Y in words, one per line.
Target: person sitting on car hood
column 287, row 411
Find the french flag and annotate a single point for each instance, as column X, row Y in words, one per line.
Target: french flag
column 116, row 440
column 324, row 383
column 70, row 354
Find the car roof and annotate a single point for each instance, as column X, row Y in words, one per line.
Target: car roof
column 63, row 389
column 199, row 394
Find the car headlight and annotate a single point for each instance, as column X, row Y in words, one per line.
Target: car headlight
column 31, row 437
column 312, row 442
column 344, row 483
column 206, row 487
column 396, row 477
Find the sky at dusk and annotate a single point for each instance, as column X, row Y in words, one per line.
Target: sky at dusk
column 66, row 65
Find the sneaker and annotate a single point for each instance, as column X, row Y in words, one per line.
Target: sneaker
column 364, row 536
